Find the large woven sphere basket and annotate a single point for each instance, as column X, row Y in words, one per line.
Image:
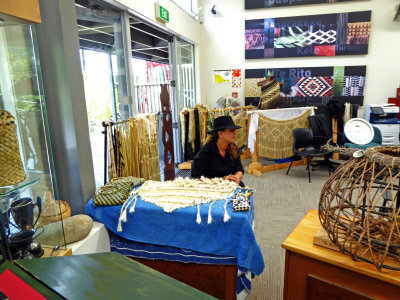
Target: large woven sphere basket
column 359, row 207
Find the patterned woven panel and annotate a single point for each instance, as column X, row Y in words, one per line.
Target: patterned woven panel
column 251, row 89
column 320, row 37
column 353, row 85
column 314, row 86
column 275, row 138
column 116, row 192
column 270, row 95
column 240, row 120
column 212, row 115
column 358, row 33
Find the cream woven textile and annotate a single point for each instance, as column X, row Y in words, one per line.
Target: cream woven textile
column 240, row 120
column 275, row 138
column 251, row 89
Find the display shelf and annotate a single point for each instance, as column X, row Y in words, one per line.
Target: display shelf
column 11, row 192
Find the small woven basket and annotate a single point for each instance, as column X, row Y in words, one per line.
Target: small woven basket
column 64, row 213
column 11, row 169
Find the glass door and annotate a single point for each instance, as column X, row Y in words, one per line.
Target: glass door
column 104, row 72
column 185, row 74
column 183, row 93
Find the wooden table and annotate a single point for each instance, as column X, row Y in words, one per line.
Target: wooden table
column 106, row 276
column 314, row 272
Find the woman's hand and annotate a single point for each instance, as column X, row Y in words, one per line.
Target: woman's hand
column 235, row 178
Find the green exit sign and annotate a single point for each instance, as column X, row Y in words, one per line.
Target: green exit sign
column 162, row 14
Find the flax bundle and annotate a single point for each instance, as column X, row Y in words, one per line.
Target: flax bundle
column 134, row 150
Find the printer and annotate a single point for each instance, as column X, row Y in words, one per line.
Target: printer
column 384, row 117
column 381, row 113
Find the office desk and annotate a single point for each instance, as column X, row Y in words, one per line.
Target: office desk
column 314, row 272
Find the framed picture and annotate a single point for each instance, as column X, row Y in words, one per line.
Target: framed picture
column 310, row 86
column 251, row 4
column 316, row 35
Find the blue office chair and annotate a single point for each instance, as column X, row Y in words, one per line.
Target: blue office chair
column 376, row 141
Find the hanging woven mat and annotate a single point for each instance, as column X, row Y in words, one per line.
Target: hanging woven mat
column 11, row 169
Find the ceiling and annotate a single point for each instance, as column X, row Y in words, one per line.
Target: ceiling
column 99, row 29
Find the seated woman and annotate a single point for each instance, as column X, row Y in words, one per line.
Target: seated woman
column 219, row 157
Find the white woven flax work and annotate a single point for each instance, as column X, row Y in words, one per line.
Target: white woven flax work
column 180, row 193
column 185, row 192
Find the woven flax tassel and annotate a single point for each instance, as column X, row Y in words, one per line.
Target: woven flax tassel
column 209, row 220
column 198, row 220
column 226, row 216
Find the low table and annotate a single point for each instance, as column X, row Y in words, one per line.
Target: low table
column 314, row 272
column 106, row 276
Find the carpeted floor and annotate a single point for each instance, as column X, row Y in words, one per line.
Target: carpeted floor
column 280, row 202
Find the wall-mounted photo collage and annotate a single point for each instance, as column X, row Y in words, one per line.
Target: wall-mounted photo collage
column 304, row 36
column 310, row 86
column 251, row 4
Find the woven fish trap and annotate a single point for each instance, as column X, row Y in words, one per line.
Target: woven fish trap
column 360, row 205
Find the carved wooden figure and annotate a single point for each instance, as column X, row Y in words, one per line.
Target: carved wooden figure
column 169, row 170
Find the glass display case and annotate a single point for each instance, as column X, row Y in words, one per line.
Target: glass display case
column 21, row 94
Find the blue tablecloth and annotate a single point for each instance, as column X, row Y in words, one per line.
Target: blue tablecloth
column 150, row 224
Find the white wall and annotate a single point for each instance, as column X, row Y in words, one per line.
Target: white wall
column 222, row 41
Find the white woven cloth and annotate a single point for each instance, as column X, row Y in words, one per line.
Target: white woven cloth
column 181, row 193
column 185, row 192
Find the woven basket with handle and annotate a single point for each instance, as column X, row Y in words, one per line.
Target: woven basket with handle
column 11, row 169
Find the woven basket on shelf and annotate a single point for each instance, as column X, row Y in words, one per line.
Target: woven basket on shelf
column 53, row 210
column 11, row 169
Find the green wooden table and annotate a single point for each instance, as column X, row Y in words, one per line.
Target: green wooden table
column 30, row 280
column 107, row 276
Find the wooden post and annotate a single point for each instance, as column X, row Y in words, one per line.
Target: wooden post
column 246, row 153
column 205, row 126
column 169, row 170
column 335, row 136
column 255, row 167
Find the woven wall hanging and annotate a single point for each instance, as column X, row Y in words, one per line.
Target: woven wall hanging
column 11, row 169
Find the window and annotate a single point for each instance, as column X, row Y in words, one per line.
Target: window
column 190, row 6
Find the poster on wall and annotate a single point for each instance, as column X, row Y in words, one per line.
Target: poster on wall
column 222, row 76
column 310, row 86
column 316, row 35
column 236, row 78
column 251, row 4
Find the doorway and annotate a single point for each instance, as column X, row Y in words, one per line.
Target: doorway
column 119, row 84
